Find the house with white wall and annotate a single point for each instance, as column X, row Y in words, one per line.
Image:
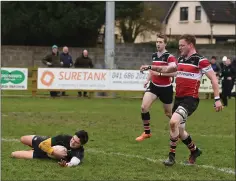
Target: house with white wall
column 210, row 21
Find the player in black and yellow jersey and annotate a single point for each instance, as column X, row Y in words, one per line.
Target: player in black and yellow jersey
column 42, row 146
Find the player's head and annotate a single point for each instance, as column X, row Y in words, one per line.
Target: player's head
column 161, row 42
column 80, row 138
column 187, row 43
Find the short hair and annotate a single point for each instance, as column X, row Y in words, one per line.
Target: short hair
column 213, row 57
column 189, row 39
column 163, row 37
column 83, row 136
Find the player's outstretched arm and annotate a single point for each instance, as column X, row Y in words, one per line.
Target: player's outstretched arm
column 215, row 86
column 73, row 162
column 173, row 74
column 162, row 69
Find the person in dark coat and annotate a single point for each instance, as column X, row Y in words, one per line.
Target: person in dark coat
column 52, row 60
column 215, row 66
column 66, row 58
column 83, row 62
column 66, row 61
column 228, row 74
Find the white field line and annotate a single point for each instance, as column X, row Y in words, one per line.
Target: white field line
column 225, row 170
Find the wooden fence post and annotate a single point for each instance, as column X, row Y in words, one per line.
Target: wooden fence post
column 34, row 81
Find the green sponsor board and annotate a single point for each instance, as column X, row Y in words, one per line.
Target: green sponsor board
column 15, row 77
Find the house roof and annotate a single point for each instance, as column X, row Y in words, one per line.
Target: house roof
column 217, row 11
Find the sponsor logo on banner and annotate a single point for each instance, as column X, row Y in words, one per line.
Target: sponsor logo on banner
column 14, row 78
column 87, row 79
column 47, row 78
column 101, row 79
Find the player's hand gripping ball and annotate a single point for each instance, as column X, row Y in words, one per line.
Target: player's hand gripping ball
column 59, row 148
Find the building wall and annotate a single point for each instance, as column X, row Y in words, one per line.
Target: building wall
column 224, row 29
column 204, row 41
column 177, row 27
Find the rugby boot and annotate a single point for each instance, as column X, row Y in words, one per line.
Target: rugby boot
column 170, row 161
column 143, row 136
column 193, row 156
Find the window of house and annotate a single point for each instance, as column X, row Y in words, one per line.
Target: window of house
column 183, row 13
column 198, row 13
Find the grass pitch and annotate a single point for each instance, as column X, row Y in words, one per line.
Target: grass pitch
column 112, row 152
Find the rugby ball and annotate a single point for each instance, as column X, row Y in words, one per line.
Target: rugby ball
column 57, row 147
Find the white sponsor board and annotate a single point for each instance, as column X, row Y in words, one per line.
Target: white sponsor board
column 131, row 80
column 71, row 79
column 14, row 78
column 99, row 79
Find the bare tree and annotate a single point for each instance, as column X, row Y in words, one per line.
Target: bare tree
column 141, row 18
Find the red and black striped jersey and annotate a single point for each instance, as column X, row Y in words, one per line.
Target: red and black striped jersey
column 164, row 60
column 189, row 74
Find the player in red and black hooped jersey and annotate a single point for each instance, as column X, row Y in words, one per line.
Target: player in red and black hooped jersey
column 163, row 59
column 160, row 86
column 42, row 146
column 191, row 66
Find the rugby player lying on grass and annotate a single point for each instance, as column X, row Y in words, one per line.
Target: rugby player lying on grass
column 44, row 147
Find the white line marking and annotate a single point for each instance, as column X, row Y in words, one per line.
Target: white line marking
column 10, row 139
column 225, row 170
column 91, row 150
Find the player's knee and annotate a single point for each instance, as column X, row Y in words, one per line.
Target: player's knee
column 14, row 154
column 27, row 140
column 24, row 139
column 173, row 124
column 144, row 108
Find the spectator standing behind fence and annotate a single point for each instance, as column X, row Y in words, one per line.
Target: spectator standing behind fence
column 228, row 75
column 66, row 61
column 83, row 62
column 233, row 64
column 222, row 64
column 215, row 66
column 52, row 60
